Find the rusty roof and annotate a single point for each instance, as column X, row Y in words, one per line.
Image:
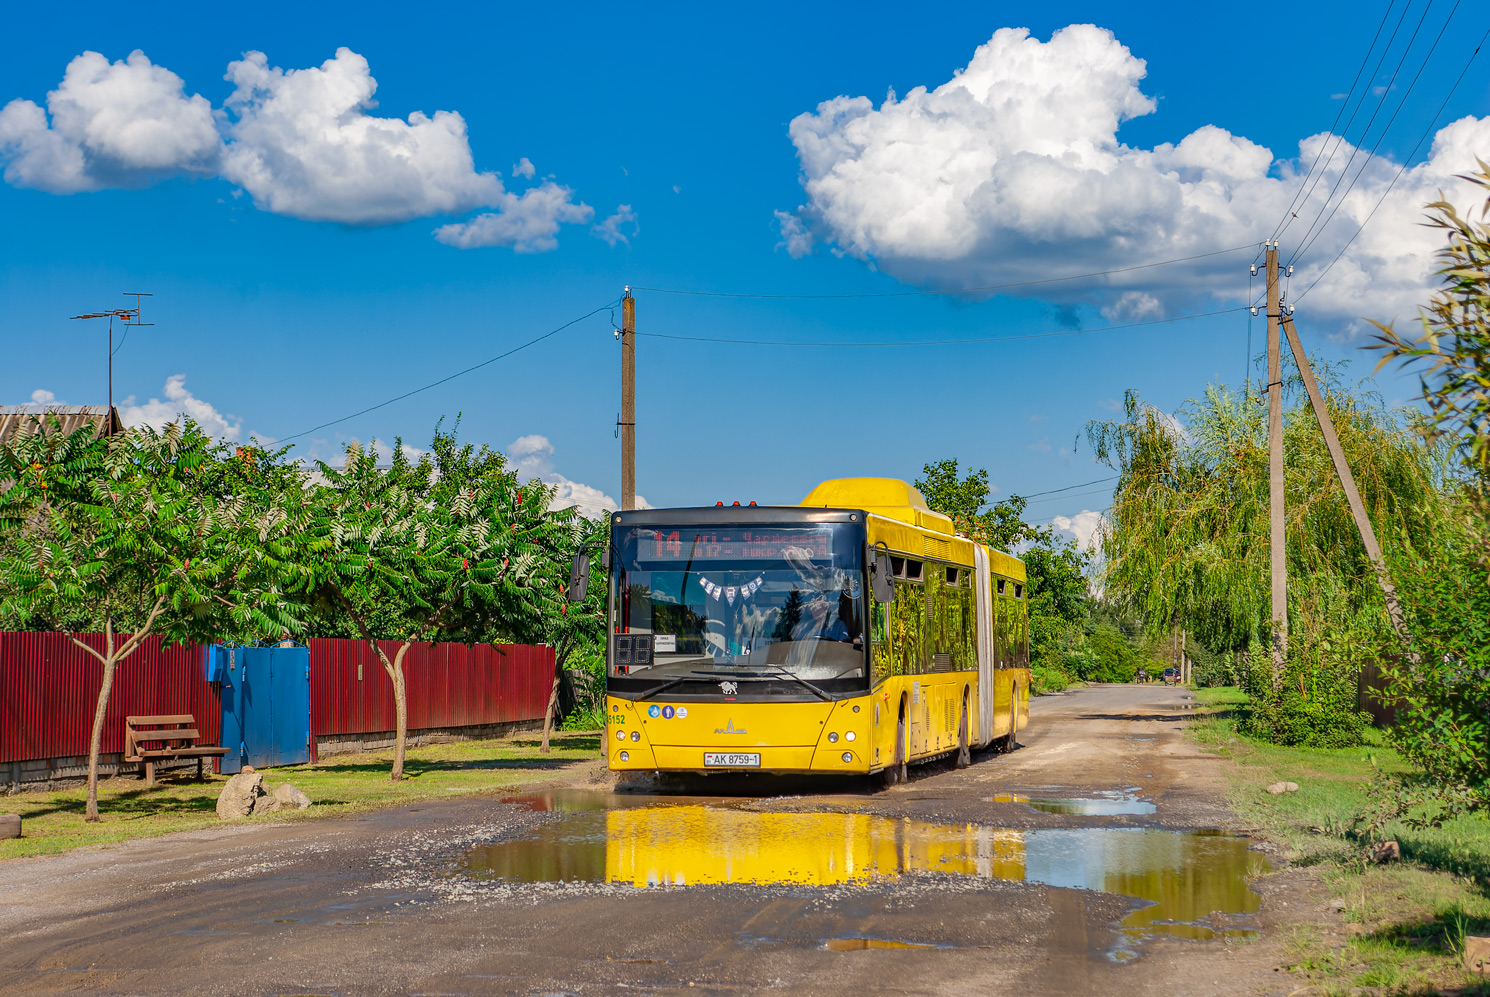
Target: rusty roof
column 17, row 419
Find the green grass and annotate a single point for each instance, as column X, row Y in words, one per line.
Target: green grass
column 340, row 785
column 1408, row 919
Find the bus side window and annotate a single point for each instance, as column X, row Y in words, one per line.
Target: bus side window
column 881, row 653
column 908, row 629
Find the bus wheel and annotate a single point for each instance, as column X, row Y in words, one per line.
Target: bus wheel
column 897, row 771
column 964, row 753
column 1008, row 743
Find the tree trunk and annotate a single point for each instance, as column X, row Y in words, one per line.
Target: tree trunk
column 400, row 710
column 95, row 742
column 561, row 655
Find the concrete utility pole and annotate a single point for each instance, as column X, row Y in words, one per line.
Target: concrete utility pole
column 1278, row 554
column 628, row 401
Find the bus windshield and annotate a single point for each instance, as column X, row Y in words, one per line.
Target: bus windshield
column 750, row 602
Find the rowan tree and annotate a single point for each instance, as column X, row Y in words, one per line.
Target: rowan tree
column 446, row 548
column 142, row 534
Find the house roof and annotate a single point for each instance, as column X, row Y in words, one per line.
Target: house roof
column 18, row 419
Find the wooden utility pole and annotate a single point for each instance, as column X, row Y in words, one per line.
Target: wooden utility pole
column 1347, row 482
column 628, row 401
column 1277, row 551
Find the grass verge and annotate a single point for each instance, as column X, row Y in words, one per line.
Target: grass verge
column 1408, row 919
column 340, row 785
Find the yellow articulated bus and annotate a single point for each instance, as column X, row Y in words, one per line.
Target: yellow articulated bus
column 854, row 633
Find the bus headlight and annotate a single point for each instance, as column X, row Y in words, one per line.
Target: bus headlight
column 636, row 735
column 848, row 756
column 620, row 735
column 625, row 756
column 849, row 736
column 833, row 738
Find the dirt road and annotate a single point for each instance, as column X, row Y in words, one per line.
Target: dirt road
column 1067, row 866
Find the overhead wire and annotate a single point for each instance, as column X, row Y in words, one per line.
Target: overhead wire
column 1057, row 491
column 1341, row 136
column 1288, row 214
column 1320, row 219
column 460, row 373
column 1406, row 160
column 937, row 342
column 1298, row 254
column 928, row 293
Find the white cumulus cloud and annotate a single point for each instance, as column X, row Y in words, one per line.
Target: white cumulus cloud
column 1012, row 170
column 1085, row 528
column 533, row 457
column 610, row 228
column 528, row 224
column 177, row 403
column 301, row 142
column 121, row 124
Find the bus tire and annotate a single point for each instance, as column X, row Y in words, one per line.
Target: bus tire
column 964, row 752
column 1008, row 742
column 898, row 770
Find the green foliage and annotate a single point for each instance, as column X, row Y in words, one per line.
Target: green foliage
column 965, row 500
column 1455, row 342
column 141, row 534
column 1108, row 657
column 1188, row 545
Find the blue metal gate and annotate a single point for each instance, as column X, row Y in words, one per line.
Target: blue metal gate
column 265, row 705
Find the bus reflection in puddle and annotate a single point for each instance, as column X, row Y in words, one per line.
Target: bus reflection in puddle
column 1185, row 877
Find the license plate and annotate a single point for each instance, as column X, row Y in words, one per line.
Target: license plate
column 732, row 759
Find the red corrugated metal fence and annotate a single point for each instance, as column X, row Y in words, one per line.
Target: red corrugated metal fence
column 49, row 688
column 449, row 685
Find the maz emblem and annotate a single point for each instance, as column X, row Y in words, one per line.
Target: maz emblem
column 730, row 728
column 729, row 688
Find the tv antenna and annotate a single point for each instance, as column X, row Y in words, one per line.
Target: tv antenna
column 128, row 317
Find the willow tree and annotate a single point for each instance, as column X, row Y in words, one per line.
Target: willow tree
column 143, row 534
column 1187, row 543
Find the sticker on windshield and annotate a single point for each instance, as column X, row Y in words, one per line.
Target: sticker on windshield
column 667, row 713
column 682, row 713
column 654, row 711
column 665, row 643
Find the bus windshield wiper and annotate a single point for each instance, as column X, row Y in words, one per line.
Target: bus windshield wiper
column 801, row 681
column 660, row 686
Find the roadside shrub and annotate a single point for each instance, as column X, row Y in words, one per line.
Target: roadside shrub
column 1107, row 657
column 1045, row 679
column 1293, row 719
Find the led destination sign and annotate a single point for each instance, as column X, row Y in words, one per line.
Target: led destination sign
column 736, row 545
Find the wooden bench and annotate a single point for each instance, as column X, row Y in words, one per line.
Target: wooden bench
column 149, row 739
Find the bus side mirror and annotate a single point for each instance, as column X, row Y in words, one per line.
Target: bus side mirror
column 579, row 576
column 881, row 579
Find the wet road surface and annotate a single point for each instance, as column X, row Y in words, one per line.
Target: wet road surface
column 1095, row 856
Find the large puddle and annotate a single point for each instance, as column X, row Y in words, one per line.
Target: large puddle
column 1184, row 877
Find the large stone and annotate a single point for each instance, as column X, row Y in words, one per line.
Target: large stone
column 1385, row 851
column 1278, row 788
column 10, row 825
column 289, row 796
column 238, row 796
column 266, row 804
column 1477, row 954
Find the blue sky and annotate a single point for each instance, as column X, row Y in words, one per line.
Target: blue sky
column 294, row 285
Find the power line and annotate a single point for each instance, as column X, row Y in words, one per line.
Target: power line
column 1056, row 491
column 1340, row 138
column 1323, row 225
column 1320, row 220
column 1288, row 213
column 1433, row 123
column 958, row 290
column 460, row 373
column 940, row 342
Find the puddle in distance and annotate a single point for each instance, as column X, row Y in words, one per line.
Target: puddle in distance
column 861, row 944
column 662, row 841
column 1111, row 804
